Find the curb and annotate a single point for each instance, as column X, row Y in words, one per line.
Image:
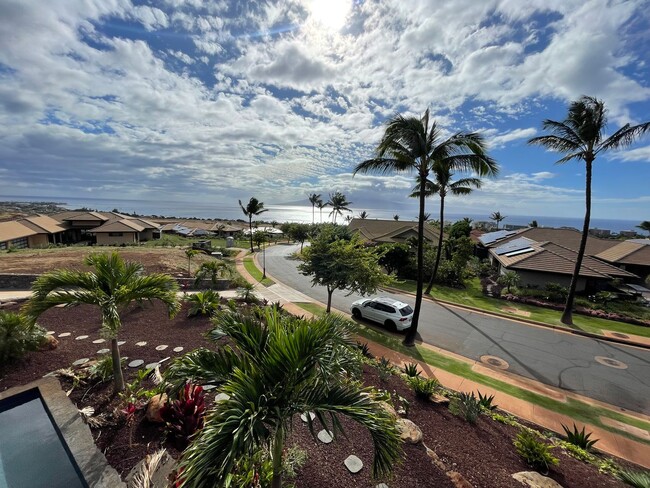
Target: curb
column 558, row 328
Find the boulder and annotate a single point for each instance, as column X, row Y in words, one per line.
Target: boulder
column 533, row 479
column 458, row 480
column 353, row 463
column 408, row 431
column 388, row 408
column 48, row 343
column 435, row 459
column 439, row 399
column 153, row 408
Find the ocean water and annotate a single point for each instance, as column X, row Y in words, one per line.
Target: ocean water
column 301, row 213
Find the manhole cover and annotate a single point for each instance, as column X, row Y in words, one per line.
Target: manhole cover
column 622, row 336
column 495, row 362
column 612, row 363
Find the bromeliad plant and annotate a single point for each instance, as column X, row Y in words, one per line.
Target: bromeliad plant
column 184, row 416
column 273, row 370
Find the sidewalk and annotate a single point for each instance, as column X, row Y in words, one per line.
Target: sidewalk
column 611, row 443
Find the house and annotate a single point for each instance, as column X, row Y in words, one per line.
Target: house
column 32, row 231
column 124, row 231
column 632, row 255
column 226, row 229
column 390, row 231
column 539, row 263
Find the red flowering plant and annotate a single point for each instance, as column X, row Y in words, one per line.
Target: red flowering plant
column 184, row 416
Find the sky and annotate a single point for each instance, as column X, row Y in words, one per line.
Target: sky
column 184, row 100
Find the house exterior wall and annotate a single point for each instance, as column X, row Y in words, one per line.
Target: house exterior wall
column 146, row 235
column 84, row 224
column 106, row 239
column 38, row 240
column 539, row 280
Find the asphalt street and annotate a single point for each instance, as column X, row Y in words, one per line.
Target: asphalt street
column 553, row 358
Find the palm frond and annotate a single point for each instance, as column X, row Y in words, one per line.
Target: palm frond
column 559, row 144
column 202, row 366
column 623, row 137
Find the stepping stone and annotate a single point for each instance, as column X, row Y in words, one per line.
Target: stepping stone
column 121, row 343
column 81, row 361
column 303, row 416
column 162, row 347
column 353, row 464
column 382, row 485
column 51, row 332
column 151, row 365
column 209, row 387
column 81, row 338
column 99, row 341
column 136, row 363
column 65, row 334
column 103, row 351
column 177, row 349
column 141, row 343
column 325, row 437
column 222, row 397
column 61, row 305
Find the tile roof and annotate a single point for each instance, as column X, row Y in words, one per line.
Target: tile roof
column 124, row 225
column 635, row 251
column 388, row 230
column 14, row 230
column 569, row 238
column 42, row 224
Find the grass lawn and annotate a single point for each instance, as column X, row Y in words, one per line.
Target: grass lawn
column 310, row 307
column 577, row 410
column 254, row 271
column 473, row 297
column 176, row 240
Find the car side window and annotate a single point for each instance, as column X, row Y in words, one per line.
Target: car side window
column 389, row 309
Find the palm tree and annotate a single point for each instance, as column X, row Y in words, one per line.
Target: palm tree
column 190, row 253
column 395, row 217
column 214, row 270
column 443, row 185
column 338, row 202
column 321, row 205
column 580, row 137
column 314, row 198
column 112, row 286
column 497, row 217
column 363, row 215
column 414, row 144
column 645, row 225
column 274, row 370
column 254, row 207
column 348, row 218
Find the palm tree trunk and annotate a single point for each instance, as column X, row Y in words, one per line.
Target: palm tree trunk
column 313, row 214
column 250, row 229
column 278, row 446
column 329, row 299
column 189, row 266
column 321, row 215
column 118, row 383
column 567, row 314
column 409, row 340
column 439, row 251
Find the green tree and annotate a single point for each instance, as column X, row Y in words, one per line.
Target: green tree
column 363, row 215
column 300, row 233
column 394, row 257
column 314, row 198
column 395, row 217
column 509, row 279
column 338, row 202
column 274, row 370
column 497, row 217
column 190, row 253
column 533, row 224
column 412, row 144
column 259, row 238
column 214, row 270
column 112, row 286
column 254, row 207
column 321, row 205
column 645, row 225
column 340, row 264
column 581, row 137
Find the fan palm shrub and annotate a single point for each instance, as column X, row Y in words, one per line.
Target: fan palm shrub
column 213, row 270
column 203, row 303
column 112, row 286
column 274, row 369
column 17, row 336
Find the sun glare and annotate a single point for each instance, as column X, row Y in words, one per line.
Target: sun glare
column 330, row 14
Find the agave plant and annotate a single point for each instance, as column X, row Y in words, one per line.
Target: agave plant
column 411, row 370
column 579, row 437
column 273, row 370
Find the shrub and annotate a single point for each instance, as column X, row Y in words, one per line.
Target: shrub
column 486, row 402
column 17, row 336
column 411, row 370
column 577, row 452
column 638, row 479
column 102, row 370
column 365, row 350
column 467, row 406
column 422, row 387
column 536, row 453
column 556, row 292
column 505, row 419
column 579, row 437
column 247, row 293
column 385, row 368
column 184, row 416
column 203, row 303
column 256, row 470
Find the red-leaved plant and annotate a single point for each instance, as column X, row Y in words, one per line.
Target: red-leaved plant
column 184, row 416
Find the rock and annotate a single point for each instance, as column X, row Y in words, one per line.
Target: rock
column 209, row 387
column 161, row 347
column 353, row 463
column 51, row 332
column 99, row 341
column 121, row 343
column 408, row 431
column 136, row 363
column 103, row 351
column 48, row 343
column 325, row 437
column 81, row 361
column 532, row 479
column 81, row 338
column 458, row 480
column 222, row 397
column 65, row 334
column 141, row 343
column 178, row 349
column 160, row 472
column 153, row 407
column 435, row 459
column 439, row 399
column 151, row 366
column 382, row 485
column 303, row 416
column 388, row 408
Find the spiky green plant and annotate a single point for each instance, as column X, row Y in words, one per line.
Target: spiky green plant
column 203, row 303
column 637, row 479
column 579, row 437
column 486, row 402
column 535, row 452
column 411, row 370
column 17, row 336
column 466, row 405
column 274, row 370
column 213, row 270
column 423, row 387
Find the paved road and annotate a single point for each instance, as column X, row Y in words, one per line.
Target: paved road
column 553, row 358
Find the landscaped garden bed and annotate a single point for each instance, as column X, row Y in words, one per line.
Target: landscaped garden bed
column 483, row 453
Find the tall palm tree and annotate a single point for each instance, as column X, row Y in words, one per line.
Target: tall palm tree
column 363, row 215
column 254, row 207
column 321, row 205
column 497, row 217
column 274, row 370
column 645, row 225
column 443, row 185
column 395, row 217
column 190, row 253
column 112, row 286
column 213, row 269
column 314, row 198
column 412, row 144
column 580, row 136
column 338, row 202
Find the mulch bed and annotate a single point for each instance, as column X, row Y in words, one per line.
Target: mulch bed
column 482, row 453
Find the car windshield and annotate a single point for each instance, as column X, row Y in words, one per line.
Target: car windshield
column 406, row 311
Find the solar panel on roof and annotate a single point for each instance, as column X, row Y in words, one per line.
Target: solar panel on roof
column 520, row 251
column 513, row 245
column 491, row 237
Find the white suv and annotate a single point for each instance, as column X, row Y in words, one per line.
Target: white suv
column 392, row 313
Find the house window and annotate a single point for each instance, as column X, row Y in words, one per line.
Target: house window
column 3, row 245
column 20, row 243
column 115, row 234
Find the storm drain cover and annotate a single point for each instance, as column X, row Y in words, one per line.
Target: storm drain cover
column 495, row 362
column 611, row 362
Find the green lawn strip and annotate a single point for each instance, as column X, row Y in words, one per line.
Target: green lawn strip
column 254, row 271
column 574, row 409
column 472, row 296
column 311, row 307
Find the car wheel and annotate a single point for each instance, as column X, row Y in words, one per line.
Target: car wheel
column 356, row 313
column 390, row 325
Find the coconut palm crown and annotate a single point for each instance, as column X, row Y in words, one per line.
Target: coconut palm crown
column 414, row 144
column 314, row 198
column 338, row 202
column 272, row 370
column 112, row 286
column 581, row 136
column 254, row 207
